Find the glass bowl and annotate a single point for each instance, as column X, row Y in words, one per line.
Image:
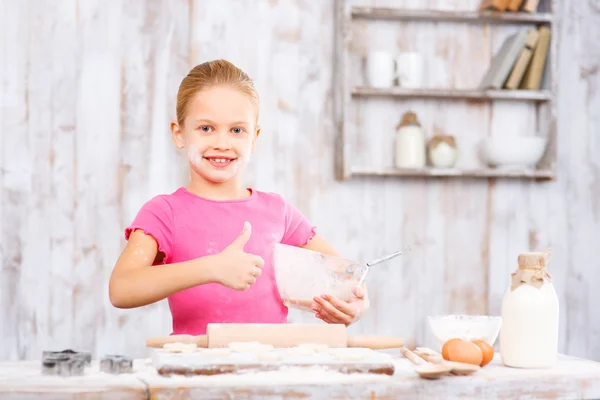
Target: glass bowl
column 469, row 327
column 302, row 274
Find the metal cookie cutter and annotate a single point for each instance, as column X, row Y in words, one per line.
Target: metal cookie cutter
column 116, row 364
column 65, row 363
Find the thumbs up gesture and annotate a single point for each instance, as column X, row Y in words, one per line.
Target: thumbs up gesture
column 238, row 269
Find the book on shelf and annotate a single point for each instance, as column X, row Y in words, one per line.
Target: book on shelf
column 520, row 62
column 497, row 5
column 533, row 76
column 518, row 70
column 529, row 6
column 514, row 5
column 503, row 61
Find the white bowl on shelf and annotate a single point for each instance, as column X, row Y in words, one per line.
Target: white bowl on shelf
column 513, row 152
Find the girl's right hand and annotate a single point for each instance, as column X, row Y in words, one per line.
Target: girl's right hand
column 236, row 268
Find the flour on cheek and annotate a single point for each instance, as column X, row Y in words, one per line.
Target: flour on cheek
column 244, row 156
column 194, row 155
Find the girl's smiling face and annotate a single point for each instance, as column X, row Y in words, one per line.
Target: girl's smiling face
column 219, row 132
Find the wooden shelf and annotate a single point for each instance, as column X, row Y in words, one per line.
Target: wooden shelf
column 456, row 94
column 441, row 172
column 346, row 93
column 474, row 17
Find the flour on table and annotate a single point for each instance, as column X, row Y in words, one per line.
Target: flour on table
column 314, row 346
column 351, row 354
column 300, row 351
column 216, row 352
column 269, row 356
column 249, row 347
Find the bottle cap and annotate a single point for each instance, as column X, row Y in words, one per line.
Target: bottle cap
column 409, row 118
column 536, row 260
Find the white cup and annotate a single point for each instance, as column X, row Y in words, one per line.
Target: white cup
column 409, row 70
column 380, row 69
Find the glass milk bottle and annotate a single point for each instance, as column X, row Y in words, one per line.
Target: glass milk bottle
column 410, row 142
column 529, row 332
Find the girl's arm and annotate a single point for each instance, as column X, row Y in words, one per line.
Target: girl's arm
column 135, row 282
column 318, row 243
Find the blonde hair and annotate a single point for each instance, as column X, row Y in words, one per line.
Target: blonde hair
column 213, row 73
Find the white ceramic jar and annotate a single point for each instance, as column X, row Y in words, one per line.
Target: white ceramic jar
column 442, row 151
column 530, row 312
column 410, row 143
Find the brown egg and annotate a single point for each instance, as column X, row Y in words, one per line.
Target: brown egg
column 461, row 350
column 486, row 350
column 449, row 344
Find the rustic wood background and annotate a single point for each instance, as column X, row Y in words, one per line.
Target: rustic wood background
column 87, row 92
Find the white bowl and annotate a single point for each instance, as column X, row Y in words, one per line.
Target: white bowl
column 301, row 274
column 468, row 327
column 513, row 152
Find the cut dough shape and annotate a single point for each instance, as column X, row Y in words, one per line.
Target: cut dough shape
column 314, row 346
column 188, row 349
column 249, row 347
column 180, row 347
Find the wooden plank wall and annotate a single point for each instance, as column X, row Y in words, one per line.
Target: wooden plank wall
column 87, row 92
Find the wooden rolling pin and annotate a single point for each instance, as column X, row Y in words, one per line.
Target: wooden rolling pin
column 279, row 335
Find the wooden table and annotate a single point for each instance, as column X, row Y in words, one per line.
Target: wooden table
column 572, row 378
column 23, row 380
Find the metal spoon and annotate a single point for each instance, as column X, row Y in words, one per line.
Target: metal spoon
column 405, row 249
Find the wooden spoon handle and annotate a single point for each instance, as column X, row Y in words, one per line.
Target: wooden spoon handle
column 429, row 355
column 375, row 342
column 160, row 341
column 415, row 359
column 428, row 351
column 458, row 368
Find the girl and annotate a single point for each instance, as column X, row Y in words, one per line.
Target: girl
column 208, row 246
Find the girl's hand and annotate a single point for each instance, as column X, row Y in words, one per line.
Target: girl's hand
column 335, row 311
column 237, row 269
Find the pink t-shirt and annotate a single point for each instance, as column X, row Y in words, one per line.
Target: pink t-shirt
column 187, row 226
